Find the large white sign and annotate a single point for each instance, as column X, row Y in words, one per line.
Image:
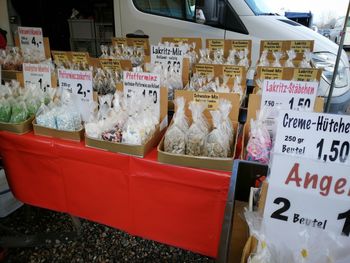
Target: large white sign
column 79, row 84
column 38, row 75
column 307, row 194
column 287, row 94
column 32, row 38
column 319, row 136
column 171, row 58
column 143, row 84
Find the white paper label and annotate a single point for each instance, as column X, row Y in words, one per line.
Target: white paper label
column 38, row 75
column 287, row 94
column 169, row 57
column 319, row 136
column 143, row 84
column 32, row 38
column 307, row 194
column 79, row 83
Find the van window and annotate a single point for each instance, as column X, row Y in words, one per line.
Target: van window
column 180, row 9
column 215, row 13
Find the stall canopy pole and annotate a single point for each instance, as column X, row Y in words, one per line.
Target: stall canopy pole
column 340, row 49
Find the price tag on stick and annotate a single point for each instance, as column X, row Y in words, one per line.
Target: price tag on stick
column 306, row 194
column 38, row 75
column 319, row 136
column 287, row 94
column 169, row 57
column 79, row 84
column 32, row 38
column 144, row 84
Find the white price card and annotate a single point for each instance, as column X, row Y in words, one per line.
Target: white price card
column 32, row 38
column 170, row 58
column 306, row 194
column 143, row 84
column 319, row 136
column 79, row 84
column 287, row 94
column 38, row 75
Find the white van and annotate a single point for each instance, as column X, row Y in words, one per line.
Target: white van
column 232, row 19
column 335, row 33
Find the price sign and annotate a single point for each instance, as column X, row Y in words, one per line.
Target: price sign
column 305, row 193
column 38, row 75
column 211, row 99
column 215, row 44
column 79, row 84
column 143, row 84
column 204, row 69
column 31, row 38
column 287, row 94
column 319, row 136
column 169, row 57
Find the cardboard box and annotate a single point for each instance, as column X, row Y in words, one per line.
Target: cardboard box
column 54, row 133
column 203, row 162
column 228, row 44
column 18, row 128
column 284, row 45
column 8, row 75
column 254, row 106
column 136, row 42
column 136, row 150
column 188, row 40
column 240, row 232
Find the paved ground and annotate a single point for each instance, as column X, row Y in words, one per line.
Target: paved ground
column 97, row 243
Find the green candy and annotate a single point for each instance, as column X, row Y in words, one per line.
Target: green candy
column 19, row 113
column 5, row 111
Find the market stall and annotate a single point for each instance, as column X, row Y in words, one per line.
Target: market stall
column 175, row 205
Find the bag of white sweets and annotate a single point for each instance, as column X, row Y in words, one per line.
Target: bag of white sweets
column 198, row 131
column 176, row 135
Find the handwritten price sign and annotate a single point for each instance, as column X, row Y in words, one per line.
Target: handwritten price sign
column 32, row 38
column 79, row 84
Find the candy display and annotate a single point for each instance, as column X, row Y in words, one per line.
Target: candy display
column 263, row 61
column 217, row 57
column 60, row 115
column 306, row 62
column 130, row 121
column 11, row 59
column 18, row 104
column 210, row 84
column 291, row 56
column 170, row 77
column 259, row 143
column 199, row 129
column 135, row 54
column 105, row 81
column 217, row 143
column 176, row 135
column 277, row 57
column 199, row 139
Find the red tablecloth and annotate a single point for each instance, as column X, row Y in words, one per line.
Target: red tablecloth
column 179, row 206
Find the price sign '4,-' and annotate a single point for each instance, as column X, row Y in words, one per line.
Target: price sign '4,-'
column 31, row 38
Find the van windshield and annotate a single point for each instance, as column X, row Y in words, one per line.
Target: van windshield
column 260, row 7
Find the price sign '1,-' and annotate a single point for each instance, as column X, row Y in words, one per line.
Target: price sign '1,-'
column 79, row 84
column 31, row 38
column 38, row 75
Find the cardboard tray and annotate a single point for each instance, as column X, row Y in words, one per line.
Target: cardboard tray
column 253, row 107
column 130, row 149
column 18, row 128
column 202, row 162
column 66, row 135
